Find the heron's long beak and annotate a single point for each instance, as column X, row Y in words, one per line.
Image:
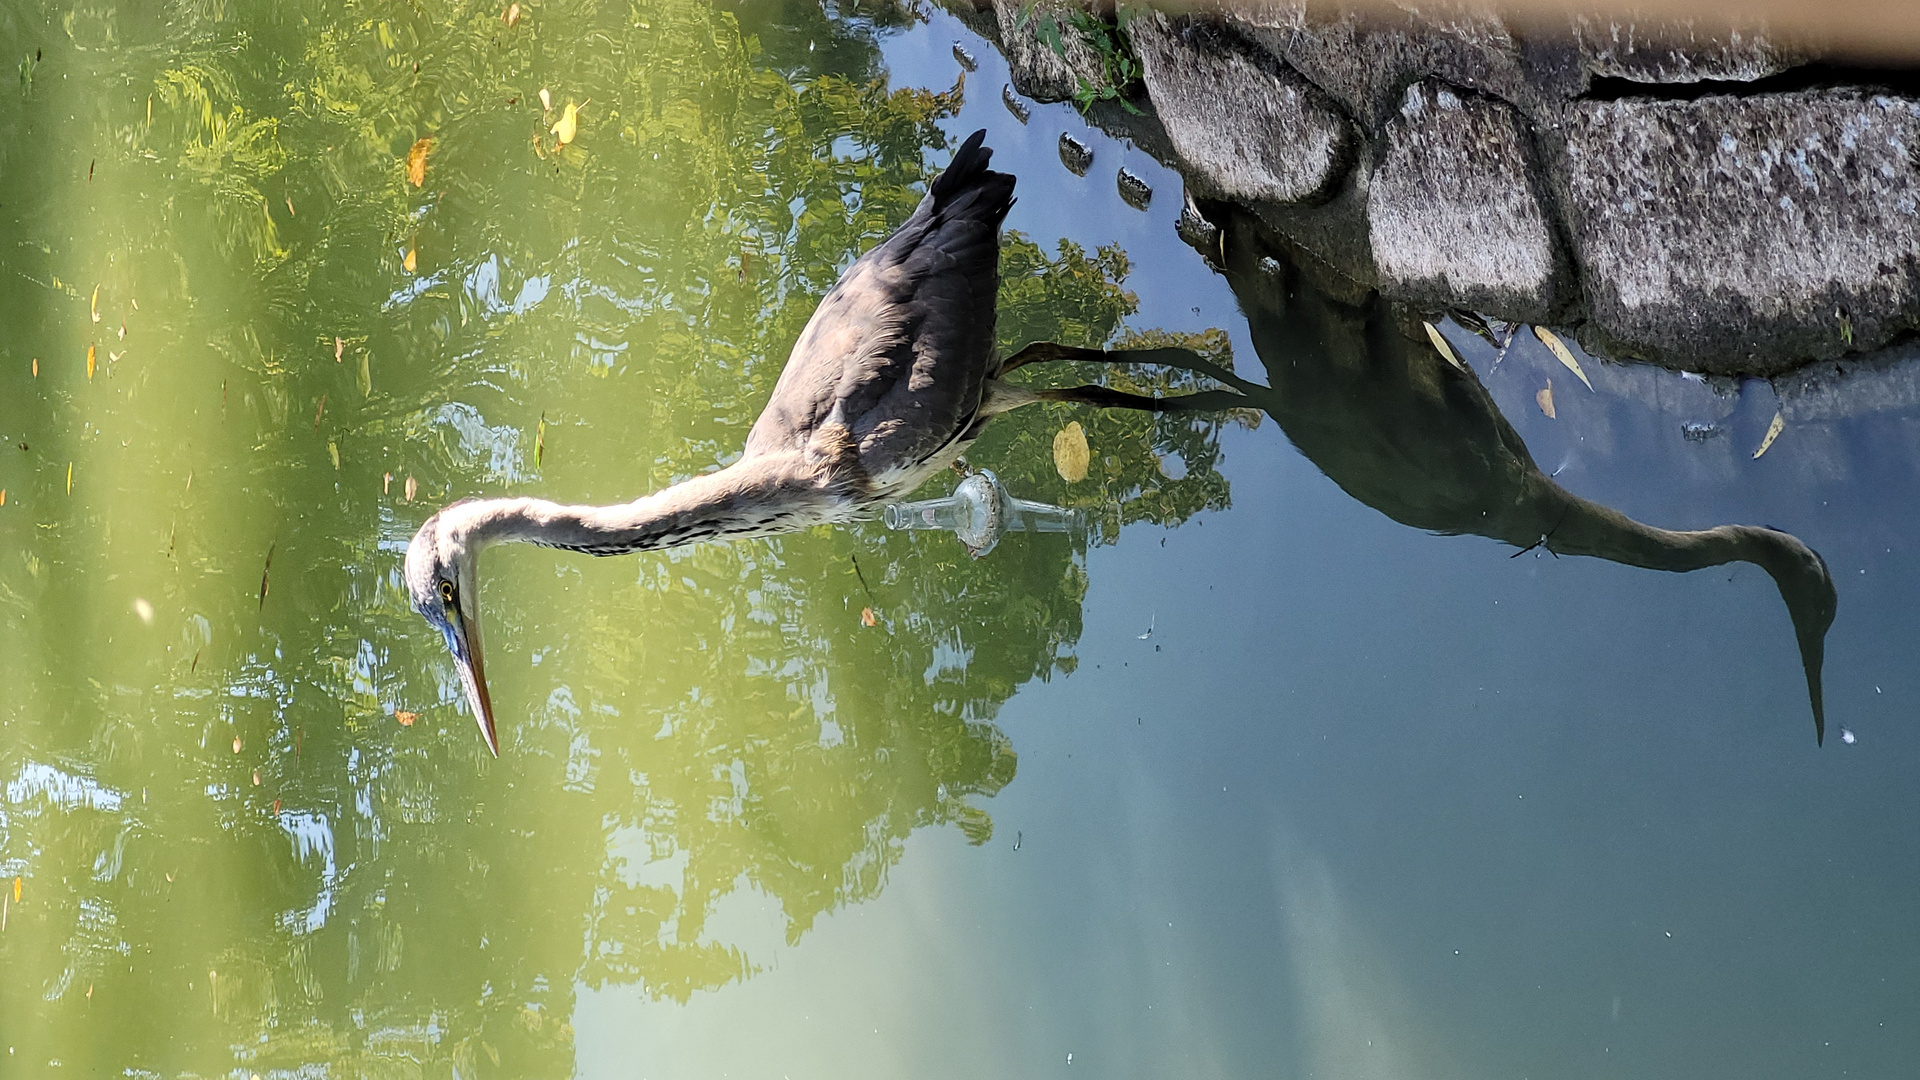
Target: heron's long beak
column 473, row 674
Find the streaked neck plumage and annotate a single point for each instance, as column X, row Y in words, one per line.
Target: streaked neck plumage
column 752, row 497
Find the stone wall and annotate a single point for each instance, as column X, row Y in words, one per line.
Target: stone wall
column 1707, row 198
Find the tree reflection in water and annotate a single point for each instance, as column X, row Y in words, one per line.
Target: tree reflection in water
column 232, row 855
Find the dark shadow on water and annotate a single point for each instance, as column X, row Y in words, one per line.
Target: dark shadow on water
column 1361, row 392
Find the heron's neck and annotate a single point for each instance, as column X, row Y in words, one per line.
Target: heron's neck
column 744, row 499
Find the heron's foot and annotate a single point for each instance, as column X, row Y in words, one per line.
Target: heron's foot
column 962, row 467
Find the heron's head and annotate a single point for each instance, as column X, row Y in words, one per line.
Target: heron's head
column 442, row 582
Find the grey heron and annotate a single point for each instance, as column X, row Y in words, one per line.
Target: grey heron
column 890, row 381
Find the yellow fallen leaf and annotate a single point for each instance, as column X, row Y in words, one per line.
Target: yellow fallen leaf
column 413, row 488
column 1070, row 453
column 90, row 355
column 406, row 718
column 93, row 305
column 546, row 100
column 565, row 128
column 1440, row 343
column 1773, row 432
column 412, row 260
column 1560, row 352
column 69, row 477
column 333, row 451
column 36, row 367
column 417, row 161
column 1545, row 398
column 3, row 496
column 867, row 617
column 16, row 889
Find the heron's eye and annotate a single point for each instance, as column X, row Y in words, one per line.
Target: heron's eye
column 446, row 591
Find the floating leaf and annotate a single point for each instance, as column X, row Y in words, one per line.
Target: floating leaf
column 1545, row 398
column 512, row 15
column 236, row 744
column 318, row 411
column 143, row 608
column 417, row 161
column 565, row 128
column 406, row 718
column 276, row 808
column 867, row 617
column 1070, row 453
column 333, row 451
column 546, row 100
column 413, row 488
column 3, row 496
column 16, row 889
column 540, row 441
column 36, row 367
column 339, row 349
column 366, row 373
column 256, row 778
column 1560, row 352
column 90, row 356
column 264, row 571
column 1773, row 432
column 69, row 477
column 386, row 483
column 412, row 260
column 93, row 305
column 1440, row 343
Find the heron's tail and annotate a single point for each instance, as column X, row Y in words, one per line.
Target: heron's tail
column 967, row 182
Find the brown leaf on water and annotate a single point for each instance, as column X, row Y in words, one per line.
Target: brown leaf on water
column 3, row 496
column 417, row 161
column 1440, row 345
column 16, row 888
column 406, row 718
column 339, row 349
column 276, row 808
column 264, row 571
column 1070, row 453
column 1545, row 398
column 867, row 617
column 413, row 488
column 318, row 411
column 90, row 358
column 412, row 260
column 1561, row 353
column 1773, row 432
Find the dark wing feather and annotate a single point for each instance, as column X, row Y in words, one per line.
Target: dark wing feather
column 899, row 349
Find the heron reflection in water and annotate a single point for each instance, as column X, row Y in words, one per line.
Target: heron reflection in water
column 890, row 381
column 1363, row 395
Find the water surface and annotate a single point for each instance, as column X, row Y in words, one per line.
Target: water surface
column 1253, row 779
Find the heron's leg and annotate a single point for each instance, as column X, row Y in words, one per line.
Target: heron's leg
column 1170, row 356
column 1108, row 398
